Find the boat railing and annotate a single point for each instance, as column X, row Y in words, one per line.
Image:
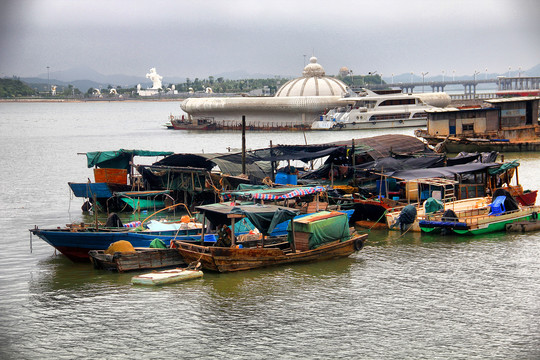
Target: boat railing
column 472, row 217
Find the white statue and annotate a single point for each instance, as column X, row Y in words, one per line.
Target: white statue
column 156, row 79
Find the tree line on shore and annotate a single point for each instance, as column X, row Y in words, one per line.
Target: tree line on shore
column 15, row 88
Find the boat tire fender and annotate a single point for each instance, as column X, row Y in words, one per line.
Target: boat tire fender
column 358, row 244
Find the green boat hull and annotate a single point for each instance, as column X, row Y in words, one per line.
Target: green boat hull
column 492, row 227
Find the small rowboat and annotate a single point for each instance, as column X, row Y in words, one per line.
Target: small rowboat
column 166, row 277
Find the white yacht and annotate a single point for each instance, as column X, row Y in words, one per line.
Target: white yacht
column 378, row 111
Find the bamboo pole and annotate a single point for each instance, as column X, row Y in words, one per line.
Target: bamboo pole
column 95, row 210
column 243, row 144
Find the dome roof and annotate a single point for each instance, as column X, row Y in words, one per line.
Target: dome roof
column 314, row 82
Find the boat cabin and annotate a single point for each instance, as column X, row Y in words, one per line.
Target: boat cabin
column 506, row 118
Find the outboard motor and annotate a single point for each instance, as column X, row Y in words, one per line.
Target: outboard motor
column 406, row 217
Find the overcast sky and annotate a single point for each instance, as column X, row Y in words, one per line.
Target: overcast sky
column 199, row 38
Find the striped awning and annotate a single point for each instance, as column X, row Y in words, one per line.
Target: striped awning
column 292, row 194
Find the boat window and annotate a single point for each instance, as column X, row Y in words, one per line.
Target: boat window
column 391, row 102
column 390, row 116
column 366, row 104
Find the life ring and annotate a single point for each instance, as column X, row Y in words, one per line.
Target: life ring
column 534, row 215
column 358, row 244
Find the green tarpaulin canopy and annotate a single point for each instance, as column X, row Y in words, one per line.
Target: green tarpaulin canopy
column 118, row 159
column 323, row 227
column 504, row 167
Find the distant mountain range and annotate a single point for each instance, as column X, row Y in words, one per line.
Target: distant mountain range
column 84, row 78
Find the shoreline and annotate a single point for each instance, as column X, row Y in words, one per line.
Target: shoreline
column 86, row 100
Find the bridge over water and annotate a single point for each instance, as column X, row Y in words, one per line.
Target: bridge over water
column 503, row 84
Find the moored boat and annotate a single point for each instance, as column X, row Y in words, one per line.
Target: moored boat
column 374, row 111
column 320, row 236
column 503, row 210
column 141, row 258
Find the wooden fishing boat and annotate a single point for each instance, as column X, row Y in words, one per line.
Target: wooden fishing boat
column 224, row 259
column 166, row 277
column 142, row 258
column 320, row 236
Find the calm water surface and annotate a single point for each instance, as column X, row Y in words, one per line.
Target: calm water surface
column 414, row 296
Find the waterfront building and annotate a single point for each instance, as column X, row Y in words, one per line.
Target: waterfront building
column 300, row 100
column 504, row 124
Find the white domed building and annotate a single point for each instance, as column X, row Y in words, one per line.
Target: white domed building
column 301, row 100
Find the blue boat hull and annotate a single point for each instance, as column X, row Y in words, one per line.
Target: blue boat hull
column 76, row 245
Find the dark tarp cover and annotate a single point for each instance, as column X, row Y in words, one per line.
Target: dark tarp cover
column 263, row 217
column 187, row 160
column 229, row 163
column 386, row 145
column 295, row 152
column 393, row 164
column 322, row 231
column 510, row 203
column 442, row 172
column 465, row 158
column 264, row 221
column 118, row 159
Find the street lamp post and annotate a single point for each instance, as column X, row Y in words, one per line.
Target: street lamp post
column 392, row 78
column 453, row 75
column 423, row 75
column 474, row 85
column 411, row 76
column 443, row 75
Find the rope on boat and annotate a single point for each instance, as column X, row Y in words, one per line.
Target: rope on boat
column 376, row 222
column 167, row 208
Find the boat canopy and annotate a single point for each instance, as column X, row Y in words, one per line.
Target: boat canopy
column 118, row 159
column 504, row 167
column 303, row 153
column 263, row 217
column 404, row 163
column 386, row 145
column 274, row 193
column 230, row 164
column 445, row 172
